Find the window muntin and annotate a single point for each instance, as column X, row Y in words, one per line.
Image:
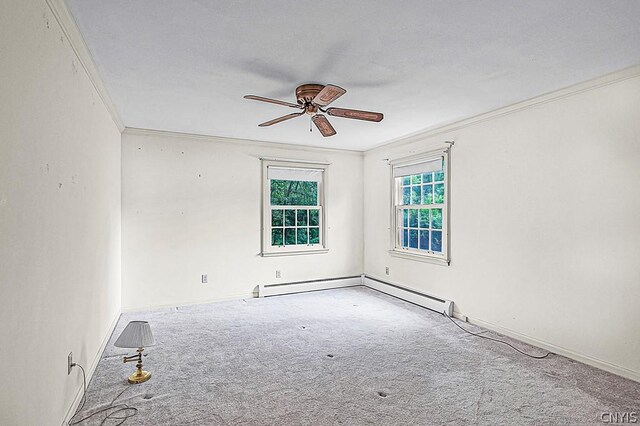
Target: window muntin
column 420, row 207
column 294, row 215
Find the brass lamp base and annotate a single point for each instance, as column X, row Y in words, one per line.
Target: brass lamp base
column 139, row 377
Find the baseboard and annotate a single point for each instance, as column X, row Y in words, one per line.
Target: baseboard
column 90, row 370
column 585, row 359
column 438, row 305
column 265, row 290
column 239, row 296
column 422, row 299
column 428, row 301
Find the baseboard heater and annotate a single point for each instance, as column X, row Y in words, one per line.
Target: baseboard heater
column 265, row 290
column 427, row 301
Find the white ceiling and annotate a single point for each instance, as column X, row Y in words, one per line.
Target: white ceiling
column 184, row 65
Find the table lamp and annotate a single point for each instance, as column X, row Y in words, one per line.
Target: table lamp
column 137, row 334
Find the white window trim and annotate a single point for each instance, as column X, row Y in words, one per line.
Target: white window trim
column 416, row 254
column 266, row 248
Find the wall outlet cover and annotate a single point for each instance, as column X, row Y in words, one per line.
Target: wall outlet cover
column 205, row 279
column 69, row 363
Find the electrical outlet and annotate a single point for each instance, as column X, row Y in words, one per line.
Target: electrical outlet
column 386, row 270
column 205, row 279
column 278, row 273
column 69, row 363
column 464, row 318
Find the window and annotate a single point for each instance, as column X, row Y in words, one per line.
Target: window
column 293, row 219
column 420, row 207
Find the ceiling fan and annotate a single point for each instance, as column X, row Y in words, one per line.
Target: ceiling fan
column 313, row 98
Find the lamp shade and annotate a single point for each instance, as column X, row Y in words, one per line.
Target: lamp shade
column 137, row 334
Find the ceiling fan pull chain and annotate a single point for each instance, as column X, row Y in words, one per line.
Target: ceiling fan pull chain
column 310, row 126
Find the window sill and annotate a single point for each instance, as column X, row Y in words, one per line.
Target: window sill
column 293, row 253
column 420, row 257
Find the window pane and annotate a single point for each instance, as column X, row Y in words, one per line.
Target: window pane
column 436, row 241
column 314, row 235
column 439, row 176
column 277, row 192
column 424, row 240
column 406, row 180
column 302, row 217
column 405, row 218
column 294, row 193
column 276, row 237
column 276, row 217
column 413, row 218
column 416, row 179
column 314, row 217
column 427, row 194
column 406, row 195
column 427, row 177
column 413, row 238
column 290, row 217
column 405, row 238
column 438, row 197
column 424, row 218
column 303, row 236
column 436, row 218
column 290, row 236
column 415, row 194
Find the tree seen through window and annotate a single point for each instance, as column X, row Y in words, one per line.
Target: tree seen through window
column 294, row 193
column 293, row 220
column 421, row 209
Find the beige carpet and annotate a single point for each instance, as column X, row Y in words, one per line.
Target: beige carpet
column 343, row 357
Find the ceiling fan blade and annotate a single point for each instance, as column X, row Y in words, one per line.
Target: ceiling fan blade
column 323, row 125
column 272, row 101
column 327, row 95
column 281, row 119
column 356, row 114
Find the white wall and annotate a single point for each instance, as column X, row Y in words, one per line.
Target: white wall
column 59, row 217
column 545, row 224
column 191, row 206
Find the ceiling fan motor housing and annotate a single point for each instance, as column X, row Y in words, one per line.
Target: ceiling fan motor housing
column 306, row 92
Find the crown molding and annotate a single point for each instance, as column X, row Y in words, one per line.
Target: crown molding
column 76, row 40
column 74, row 36
column 595, row 83
column 135, row 131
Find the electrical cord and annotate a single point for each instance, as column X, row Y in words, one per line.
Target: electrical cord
column 124, row 411
column 496, row 340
